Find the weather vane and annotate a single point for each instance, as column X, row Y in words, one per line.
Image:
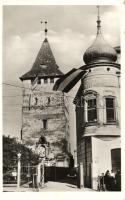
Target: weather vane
column 45, row 30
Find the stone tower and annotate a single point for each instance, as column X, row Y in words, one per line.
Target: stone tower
column 98, row 111
column 43, row 109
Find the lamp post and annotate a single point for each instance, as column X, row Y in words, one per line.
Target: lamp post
column 19, row 170
column 80, row 171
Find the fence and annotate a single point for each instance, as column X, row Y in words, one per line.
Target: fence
column 27, row 174
column 36, row 176
column 12, row 176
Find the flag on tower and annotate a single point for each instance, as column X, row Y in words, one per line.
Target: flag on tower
column 69, row 80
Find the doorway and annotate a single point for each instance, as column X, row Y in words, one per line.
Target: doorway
column 116, row 159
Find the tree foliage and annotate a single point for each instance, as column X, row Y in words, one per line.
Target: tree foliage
column 10, row 150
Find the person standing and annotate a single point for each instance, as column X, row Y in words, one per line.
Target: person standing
column 112, row 181
column 112, row 173
column 118, row 180
column 102, row 185
column 107, row 181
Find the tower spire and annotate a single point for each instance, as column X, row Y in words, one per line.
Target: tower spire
column 98, row 21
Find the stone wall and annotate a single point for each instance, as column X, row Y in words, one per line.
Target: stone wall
column 41, row 105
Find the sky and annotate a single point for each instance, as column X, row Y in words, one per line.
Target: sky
column 71, row 30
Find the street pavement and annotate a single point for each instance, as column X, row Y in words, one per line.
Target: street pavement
column 49, row 186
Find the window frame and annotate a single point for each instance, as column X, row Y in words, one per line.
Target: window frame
column 45, row 80
column 113, row 120
column 39, row 81
column 92, row 109
column 90, row 95
column 51, row 80
column 45, row 124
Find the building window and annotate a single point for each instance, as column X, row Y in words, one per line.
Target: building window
column 39, row 81
column 48, row 100
column 108, row 69
column 51, row 80
column 92, row 110
column 36, row 100
column 45, row 80
column 110, row 109
column 45, row 124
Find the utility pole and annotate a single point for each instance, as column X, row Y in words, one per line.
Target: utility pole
column 19, row 170
column 75, row 158
column 81, row 175
column 41, row 151
column 43, row 169
column 40, row 173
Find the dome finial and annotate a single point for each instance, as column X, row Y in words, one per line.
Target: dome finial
column 100, row 50
column 98, row 21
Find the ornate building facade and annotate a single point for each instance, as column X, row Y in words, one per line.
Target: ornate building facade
column 98, row 111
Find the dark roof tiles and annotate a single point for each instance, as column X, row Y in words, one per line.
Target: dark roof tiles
column 44, row 65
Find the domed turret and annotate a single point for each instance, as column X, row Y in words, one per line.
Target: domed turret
column 100, row 50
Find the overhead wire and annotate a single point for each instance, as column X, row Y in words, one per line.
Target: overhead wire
column 12, row 96
column 18, row 106
column 12, row 85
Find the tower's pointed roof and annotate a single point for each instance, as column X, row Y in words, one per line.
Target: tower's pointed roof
column 100, row 50
column 44, row 65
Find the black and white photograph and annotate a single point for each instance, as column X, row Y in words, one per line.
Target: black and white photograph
column 61, row 113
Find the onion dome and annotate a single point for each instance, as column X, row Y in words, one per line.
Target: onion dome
column 100, row 50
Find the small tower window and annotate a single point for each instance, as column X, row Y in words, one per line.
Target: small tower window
column 39, row 81
column 45, row 80
column 110, row 109
column 92, row 110
column 108, row 69
column 36, row 100
column 45, row 124
column 51, row 80
column 48, row 99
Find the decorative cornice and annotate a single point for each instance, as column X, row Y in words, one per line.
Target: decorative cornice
column 100, row 64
